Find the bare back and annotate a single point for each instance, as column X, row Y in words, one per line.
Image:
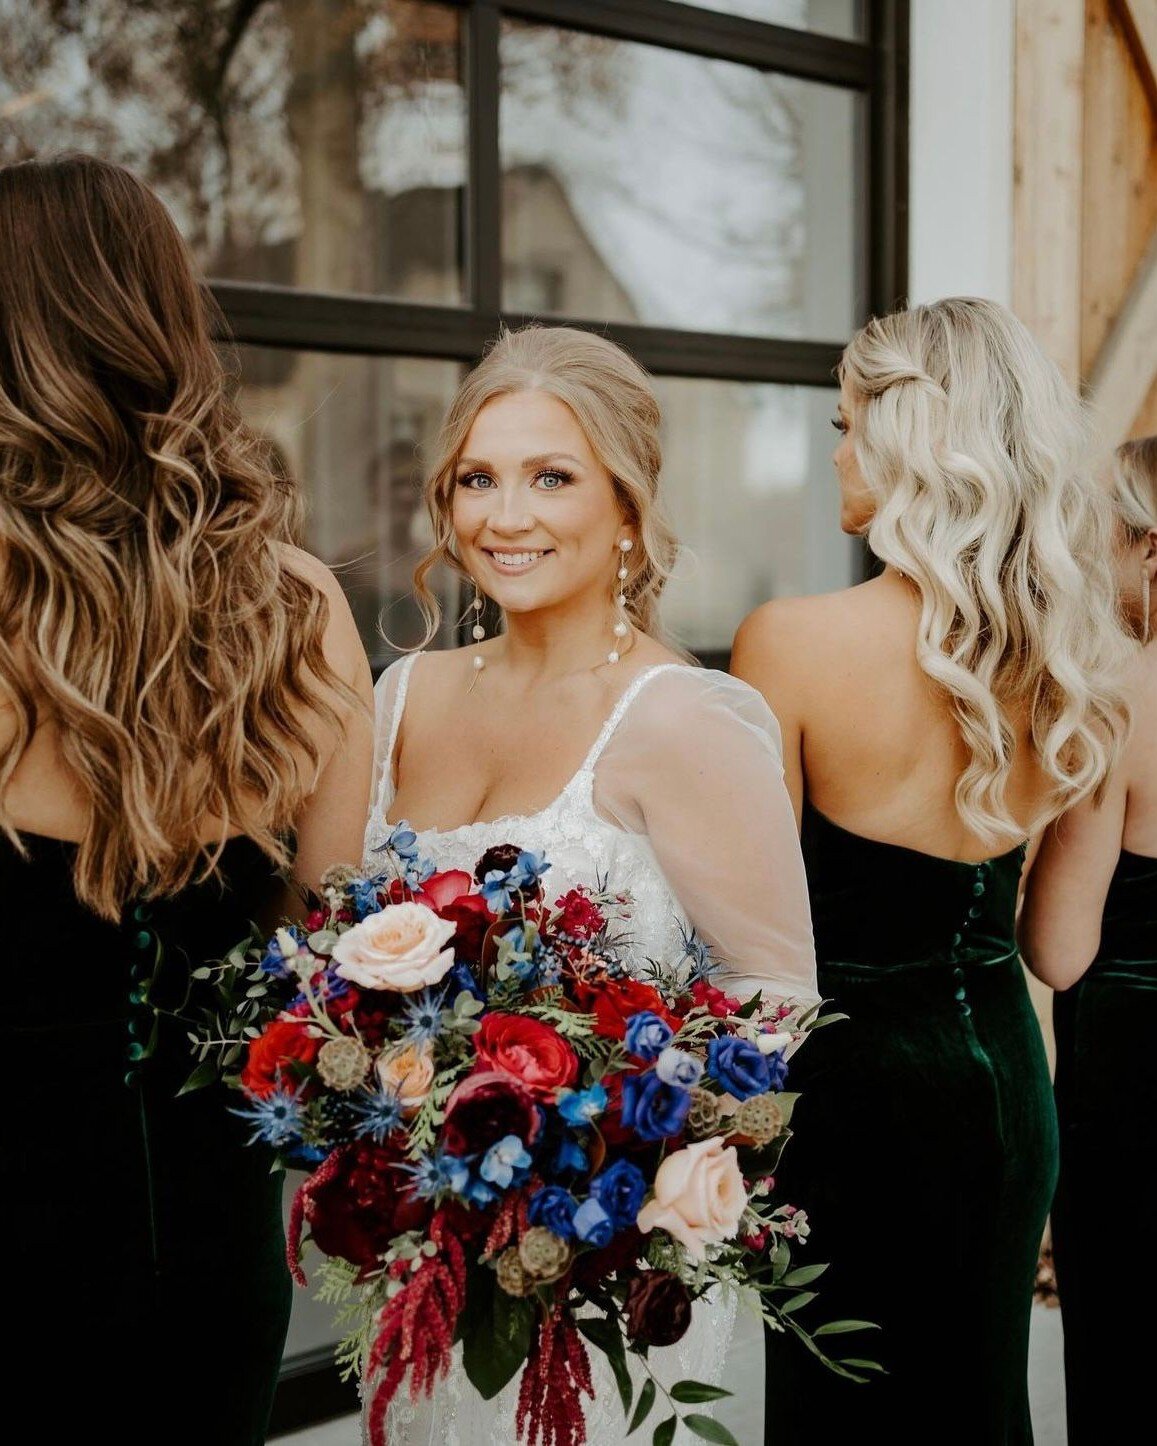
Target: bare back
column 869, row 739
column 1140, row 830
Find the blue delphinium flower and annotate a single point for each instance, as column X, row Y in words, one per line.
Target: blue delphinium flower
column 592, row 1224
column 555, row 1208
column 423, row 1015
column 325, row 986
column 403, row 842
column 505, row 1163
column 647, row 1035
column 305, row 1157
column 500, row 889
column 570, row 1158
column 679, row 1067
column 379, row 1114
column 439, row 1174
column 275, row 1117
column 364, row 897
column 620, row 1190
column 461, row 978
column 653, row 1109
column 579, row 1107
column 738, row 1066
column 273, row 961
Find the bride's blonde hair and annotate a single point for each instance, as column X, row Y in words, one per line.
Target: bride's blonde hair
column 976, row 451
column 147, row 609
column 612, row 397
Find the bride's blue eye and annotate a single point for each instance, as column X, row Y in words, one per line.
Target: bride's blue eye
column 477, row 481
column 553, row 480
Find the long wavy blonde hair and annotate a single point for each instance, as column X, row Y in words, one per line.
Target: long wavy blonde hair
column 1135, row 485
column 612, row 397
column 147, row 612
column 977, row 452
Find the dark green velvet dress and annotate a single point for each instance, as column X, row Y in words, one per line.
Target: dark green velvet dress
column 925, row 1151
column 148, row 1296
column 1106, row 1206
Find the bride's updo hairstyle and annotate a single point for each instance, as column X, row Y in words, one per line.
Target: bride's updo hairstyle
column 976, row 451
column 147, row 613
column 612, row 397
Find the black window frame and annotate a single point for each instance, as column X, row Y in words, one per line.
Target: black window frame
column 366, row 325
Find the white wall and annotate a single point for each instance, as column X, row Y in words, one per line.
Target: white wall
column 960, row 238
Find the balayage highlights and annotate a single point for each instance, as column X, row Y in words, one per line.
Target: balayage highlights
column 1135, row 485
column 147, row 613
column 976, row 451
column 616, row 407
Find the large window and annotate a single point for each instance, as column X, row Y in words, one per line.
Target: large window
column 374, row 186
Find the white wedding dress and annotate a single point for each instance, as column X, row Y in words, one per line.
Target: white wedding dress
column 680, row 802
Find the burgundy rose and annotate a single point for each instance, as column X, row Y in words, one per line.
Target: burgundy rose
column 591, row 1267
column 485, row 1108
column 533, row 1052
column 366, row 1202
column 502, row 857
column 658, row 1308
column 471, row 919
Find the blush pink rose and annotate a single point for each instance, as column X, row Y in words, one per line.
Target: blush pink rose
column 699, row 1196
column 402, row 948
column 409, row 1073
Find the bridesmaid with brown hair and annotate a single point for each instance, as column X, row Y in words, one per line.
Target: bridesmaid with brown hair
column 1089, row 929
column 185, row 714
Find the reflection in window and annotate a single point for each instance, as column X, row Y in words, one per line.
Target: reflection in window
column 842, row 18
column 675, row 191
column 353, row 431
column 749, row 486
column 319, row 145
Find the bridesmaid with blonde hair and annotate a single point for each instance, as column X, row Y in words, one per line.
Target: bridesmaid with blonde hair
column 933, row 718
column 1089, row 929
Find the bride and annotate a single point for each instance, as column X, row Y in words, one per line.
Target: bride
column 579, row 733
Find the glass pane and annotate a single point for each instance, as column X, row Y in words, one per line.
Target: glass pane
column 324, row 146
column 843, row 18
column 749, row 485
column 646, row 185
column 349, row 429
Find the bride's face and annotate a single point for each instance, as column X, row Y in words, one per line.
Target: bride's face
column 857, row 504
column 535, row 515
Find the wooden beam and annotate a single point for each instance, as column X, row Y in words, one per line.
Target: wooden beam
column 1127, row 363
column 1139, row 18
column 1047, row 174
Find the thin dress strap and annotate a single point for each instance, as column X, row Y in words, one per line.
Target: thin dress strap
column 620, row 708
column 405, row 668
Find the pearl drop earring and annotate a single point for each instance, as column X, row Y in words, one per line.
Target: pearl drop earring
column 478, row 632
column 622, row 627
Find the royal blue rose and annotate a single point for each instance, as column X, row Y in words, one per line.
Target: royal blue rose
column 555, row 1208
column 592, row 1224
column 620, row 1190
column 739, row 1067
column 653, row 1109
column 647, row 1035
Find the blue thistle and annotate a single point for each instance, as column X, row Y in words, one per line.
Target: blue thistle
column 379, row 1115
column 423, row 1015
column 275, row 1117
column 439, row 1174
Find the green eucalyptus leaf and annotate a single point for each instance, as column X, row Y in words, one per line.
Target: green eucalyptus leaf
column 804, row 1275
column 203, row 1075
column 797, row 1302
column 643, row 1406
column 690, row 1393
column 322, row 941
column 664, row 1433
column 708, row 1429
column 841, row 1327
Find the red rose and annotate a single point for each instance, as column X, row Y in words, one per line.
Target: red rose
column 366, row 1202
column 579, row 918
column 613, row 1001
column 714, row 1000
column 484, row 1109
column 471, row 919
column 284, row 1042
column 533, row 1052
column 444, row 888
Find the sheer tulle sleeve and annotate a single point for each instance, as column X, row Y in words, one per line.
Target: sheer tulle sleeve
column 696, row 766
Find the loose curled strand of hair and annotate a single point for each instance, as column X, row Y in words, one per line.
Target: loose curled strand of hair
column 977, row 452
column 148, row 610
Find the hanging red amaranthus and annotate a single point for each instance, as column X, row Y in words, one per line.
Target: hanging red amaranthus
column 416, row 1328
column 324, row 1172
column 556, row 1375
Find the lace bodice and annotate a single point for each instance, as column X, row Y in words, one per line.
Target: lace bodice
column 680, row 801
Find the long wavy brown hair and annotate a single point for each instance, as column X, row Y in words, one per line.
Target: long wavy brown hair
column 148, row 611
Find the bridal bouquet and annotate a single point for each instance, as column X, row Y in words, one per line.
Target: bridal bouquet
column 515, row 1143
